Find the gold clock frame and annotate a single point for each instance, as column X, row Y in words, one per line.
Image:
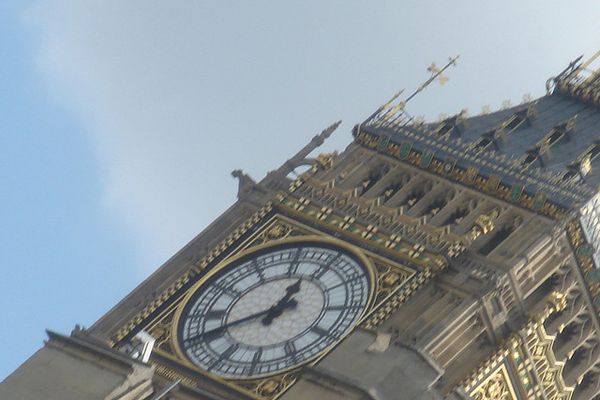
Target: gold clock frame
column 398, row 269
column 366, row 264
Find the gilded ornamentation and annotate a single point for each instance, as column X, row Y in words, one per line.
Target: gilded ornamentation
column 172, row 375
column 531, row 346
column 395, row 300
column 585, row 260
column 185, row 278
column 484, row 224
column 276, row 229
column 380, row 217
column 495, row 388
column 548, row 368
column 393, row 283
column 471, row 176
column 269, row 388
column 577, row 82
column 558, row 301
column 391, row 279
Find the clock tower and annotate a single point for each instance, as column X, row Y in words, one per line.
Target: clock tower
column 450, row 260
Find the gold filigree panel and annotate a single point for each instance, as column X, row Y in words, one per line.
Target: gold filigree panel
column 496, row 387
column 525, row 365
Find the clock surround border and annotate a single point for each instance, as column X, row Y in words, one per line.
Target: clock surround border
column 354, row 251
column 417, row 272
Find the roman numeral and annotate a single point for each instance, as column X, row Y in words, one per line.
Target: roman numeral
column 319, row 273
column 230, row 350
column 224, row 355
column 259, row 271
column 227, row 289
column 289, row 348
column 346, row 282
column 293, row 267
column 320, row 331
column 215, row 314
column 255, row 360
column 325, row 267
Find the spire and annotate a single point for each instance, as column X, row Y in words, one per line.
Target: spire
column 394, row 115
column 300, row 158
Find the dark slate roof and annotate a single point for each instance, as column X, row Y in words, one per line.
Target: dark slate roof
column 550, row 111
column 504, row 156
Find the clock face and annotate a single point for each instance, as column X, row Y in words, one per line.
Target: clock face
column 273, row 310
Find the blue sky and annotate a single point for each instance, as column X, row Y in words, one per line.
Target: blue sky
column 121, row 120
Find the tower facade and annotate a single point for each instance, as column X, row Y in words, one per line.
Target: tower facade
column 449, row 260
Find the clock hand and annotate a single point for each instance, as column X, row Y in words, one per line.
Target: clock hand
column 291, row 303
column 285, row 302
column 289, row 292
column 293, row 288
column 277, row 309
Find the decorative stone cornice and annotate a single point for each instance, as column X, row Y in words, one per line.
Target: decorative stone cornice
column 552, row 197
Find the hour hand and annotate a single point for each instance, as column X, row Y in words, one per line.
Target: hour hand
column 289, row 292
column 277, row 310
column 293, row 288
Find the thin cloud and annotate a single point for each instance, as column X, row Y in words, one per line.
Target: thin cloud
column 178, row 94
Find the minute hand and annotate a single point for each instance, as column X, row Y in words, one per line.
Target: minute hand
column 219, row 330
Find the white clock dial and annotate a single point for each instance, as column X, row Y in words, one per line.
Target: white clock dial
column 273, row 310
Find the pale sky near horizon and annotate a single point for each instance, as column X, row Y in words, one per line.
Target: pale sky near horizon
column 121, row 120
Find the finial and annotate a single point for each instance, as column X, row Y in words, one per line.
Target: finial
column 325, row 133
column 506, row 104
column 397, row 113
column 330, row 129
column 527, row 98
column 486, row 109
column 436, row 73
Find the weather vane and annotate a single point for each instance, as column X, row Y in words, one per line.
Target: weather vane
column 436, row 73
column 393, row 114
